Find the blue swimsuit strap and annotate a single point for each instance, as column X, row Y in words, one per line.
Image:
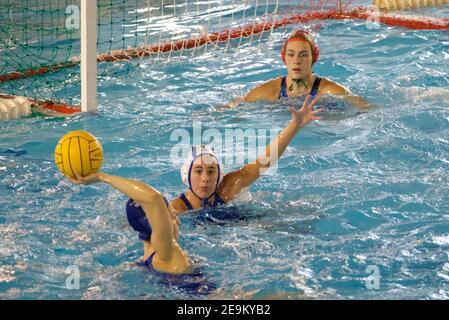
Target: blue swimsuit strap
column 218, row 200
column 283, row 93
column 148, row 263
column 315, row 87
column 313, row 92
column 184, row 199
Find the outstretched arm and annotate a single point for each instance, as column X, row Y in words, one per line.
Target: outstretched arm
column 152, row 203
column 330, row 87
column 358, row 102
column 235, row 181
column 254, row 95
column 268, row 91
column 138, row 191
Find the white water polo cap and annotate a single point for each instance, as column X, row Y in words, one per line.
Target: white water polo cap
column 194, row 153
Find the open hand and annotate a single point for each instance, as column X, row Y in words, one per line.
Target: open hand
column 94, row 177
column 306, row 114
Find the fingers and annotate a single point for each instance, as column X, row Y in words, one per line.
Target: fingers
column 306, row 101
column 317, row 111
column 72, row 180
column 78, row 176
column 314, row 113
column 307, row 105
column 313, row 101
column 292, row 110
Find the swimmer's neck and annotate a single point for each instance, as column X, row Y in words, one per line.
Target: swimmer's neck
column 195, row 201
column 301, row 89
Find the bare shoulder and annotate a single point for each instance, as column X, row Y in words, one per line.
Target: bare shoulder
column 223, row 189
column 178, row 205
column 266, row 91
column 226, row 188
column 330, row 87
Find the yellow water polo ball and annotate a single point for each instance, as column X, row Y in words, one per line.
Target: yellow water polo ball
column 78, row 151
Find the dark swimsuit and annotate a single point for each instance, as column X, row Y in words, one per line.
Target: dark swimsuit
column 313, row 92
column 216, row 214
column 138, row 220
column 192, row 283
column 205, row 203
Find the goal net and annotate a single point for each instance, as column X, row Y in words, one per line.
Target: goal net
column 40, row 41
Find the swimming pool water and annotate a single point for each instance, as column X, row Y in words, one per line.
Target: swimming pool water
column 353, row 191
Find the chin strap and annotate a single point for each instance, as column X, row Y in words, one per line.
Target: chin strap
column 204, row 201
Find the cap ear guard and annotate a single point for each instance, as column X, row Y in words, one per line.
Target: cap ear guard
column 194, row 153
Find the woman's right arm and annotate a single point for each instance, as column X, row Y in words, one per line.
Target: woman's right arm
column 153, row 204
column 138, row 191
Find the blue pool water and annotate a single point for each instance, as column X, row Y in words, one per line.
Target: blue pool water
column 354, row 192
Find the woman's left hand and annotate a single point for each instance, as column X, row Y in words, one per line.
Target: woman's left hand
column 306, row 114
